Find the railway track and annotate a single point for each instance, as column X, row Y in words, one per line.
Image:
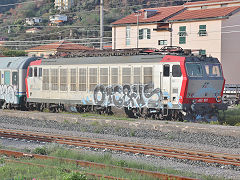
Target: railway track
column 136, row 148
column 158, row 175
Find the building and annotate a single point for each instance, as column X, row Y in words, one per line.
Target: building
column 32, row 21
column 33, row 30
column 52, row 49
column 64, row 4
column 211, row 26
column 58, row 19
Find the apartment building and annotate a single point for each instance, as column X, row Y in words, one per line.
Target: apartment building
column 211, row 26
column 64, row 4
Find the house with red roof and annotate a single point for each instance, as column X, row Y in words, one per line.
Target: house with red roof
column 60, row 47
column 212, row 26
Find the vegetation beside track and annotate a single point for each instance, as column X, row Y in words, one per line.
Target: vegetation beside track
column 61, row 171
column 230, row 117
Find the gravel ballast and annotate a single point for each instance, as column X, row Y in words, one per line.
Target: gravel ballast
column 214, row 138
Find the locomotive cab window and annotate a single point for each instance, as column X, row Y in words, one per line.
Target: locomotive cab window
column 176, row 71
column 194, row 69
column 30, row 72
column 166, row 70
column 213, row 70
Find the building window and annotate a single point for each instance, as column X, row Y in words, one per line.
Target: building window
column 202, row 30
column 145, row 33
column 202, row 52
column 162, row 42
column 182, row 35
column 128, row 29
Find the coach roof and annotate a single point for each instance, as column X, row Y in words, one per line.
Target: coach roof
column 120, row 60
column 15, row 62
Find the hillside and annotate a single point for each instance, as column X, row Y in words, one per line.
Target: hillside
column 84, row 14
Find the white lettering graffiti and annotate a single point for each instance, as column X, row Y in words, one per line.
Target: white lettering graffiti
column 7, row 93
column 130, row 96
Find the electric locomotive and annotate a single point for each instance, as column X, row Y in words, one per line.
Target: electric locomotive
column 160, row 86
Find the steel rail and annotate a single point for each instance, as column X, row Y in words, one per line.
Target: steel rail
column 68, row 170
column 226, row 159
column 154, row 174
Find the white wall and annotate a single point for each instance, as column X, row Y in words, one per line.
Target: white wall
column 211, row 43
column 231, row 49
column 119, row 37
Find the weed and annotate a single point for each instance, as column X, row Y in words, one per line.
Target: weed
column 40, row 150
column 65, row 121
column 74, row 176
column 122, row 163
column 132, row 133
column 214, row 123
column 95, row 123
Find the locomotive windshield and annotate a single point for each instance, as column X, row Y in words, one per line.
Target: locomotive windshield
column 213, row 70
column 194, row 69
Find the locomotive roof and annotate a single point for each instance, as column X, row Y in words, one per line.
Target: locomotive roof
column 119, row 60
column 15, row 62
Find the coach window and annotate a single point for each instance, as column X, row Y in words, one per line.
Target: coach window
column 136, row 75
column 176, row 71
column 147, row 75
column 30, row 72
column 73, row 83
column 40, row 72
column 14, row 78
column 126, row 76
column 82, row 79
column 35, row 71
column 45, row 84
column 93, row 77
column 54, row 79
column 114, row 75
column 104, row 76
column 63, row 80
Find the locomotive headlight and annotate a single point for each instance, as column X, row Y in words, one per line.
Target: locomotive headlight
column 194, row 100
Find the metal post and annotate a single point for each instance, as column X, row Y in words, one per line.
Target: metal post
column 101, row 24
column 137, row 30
column 171, row 34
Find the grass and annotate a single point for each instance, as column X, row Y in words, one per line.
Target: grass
column 230, row 117
column 62, row 170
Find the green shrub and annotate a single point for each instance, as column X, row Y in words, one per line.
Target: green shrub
column 74, row 176
column 40, row 150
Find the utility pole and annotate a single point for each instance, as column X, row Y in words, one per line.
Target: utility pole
column 101, row 24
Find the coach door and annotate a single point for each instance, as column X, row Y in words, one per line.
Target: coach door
column 166, row 82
